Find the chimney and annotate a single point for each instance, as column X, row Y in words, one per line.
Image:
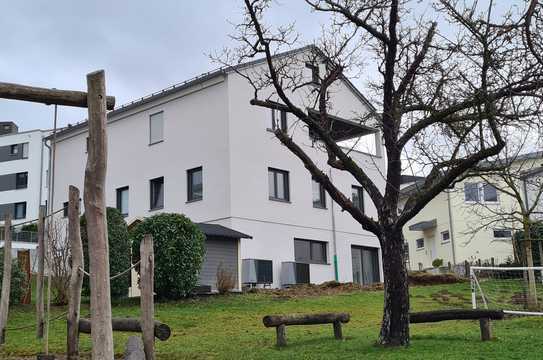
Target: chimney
column 8, row 127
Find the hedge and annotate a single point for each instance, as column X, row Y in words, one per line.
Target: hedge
column 18, row 280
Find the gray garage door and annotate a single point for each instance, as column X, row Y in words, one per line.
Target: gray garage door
column 219, row 251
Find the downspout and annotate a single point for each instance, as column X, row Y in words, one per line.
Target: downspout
column 334, row 245
column 451, row 226
column 41, row 171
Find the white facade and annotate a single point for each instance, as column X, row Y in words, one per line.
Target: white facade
column 210, row 124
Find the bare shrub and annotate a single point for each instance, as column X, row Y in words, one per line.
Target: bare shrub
column 58, row 260
column 226, row 281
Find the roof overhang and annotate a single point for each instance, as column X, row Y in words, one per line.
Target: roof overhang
column 217, row 230
column 344, row 129
column 424, row 225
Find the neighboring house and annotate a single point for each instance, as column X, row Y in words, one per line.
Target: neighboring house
column 460, row 223
column 199, row 148
column 23, row 160
column 533, row 191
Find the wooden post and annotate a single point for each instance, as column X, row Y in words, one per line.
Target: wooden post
column 281, row 335
column 337, row 330
column 134, row 349
column 492, row 262
column 95, row 209
column 6, row 279
column 146, row 299
column 39, row 281
column 486, row 330
column 23, row 258
column 466, row 269
column 449, row 266
column 76, row 276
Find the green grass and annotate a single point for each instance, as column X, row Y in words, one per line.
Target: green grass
column 231, row 328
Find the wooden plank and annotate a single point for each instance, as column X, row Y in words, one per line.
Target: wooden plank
column 162, row 331
column 40, row 308
column 305, row 319
column 76, row 276
column 95, row 212
column 146, row 298
column 455, row 314
column 134, row 349
column 48, row 96
column 6, row 279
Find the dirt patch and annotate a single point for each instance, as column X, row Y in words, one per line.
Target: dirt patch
column 424, row 278
column 327, row 288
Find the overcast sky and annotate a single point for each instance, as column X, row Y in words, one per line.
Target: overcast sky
column 143, row 46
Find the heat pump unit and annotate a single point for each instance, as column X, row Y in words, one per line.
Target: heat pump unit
column 293, row 273
column 257, row 271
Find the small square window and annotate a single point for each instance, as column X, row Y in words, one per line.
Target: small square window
column 503, row 234
column 156, row 128
column 21, row 180
column 122, row 200
column 156, row 188
column 358, row 197
column 20, row 210
column 420, row 244
column 445, row 236
column 195, row 184
column 490, row 194
column 319, row 195
column 278, row 185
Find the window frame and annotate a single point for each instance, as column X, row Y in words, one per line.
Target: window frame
column 118, row 197
column 19, row 186
column 445, row 241
column 14, row 150
column 360, row 192
column 311, row 259
column 481, row 194
column 151, row 142
column 151, row 193
column 25, row 149
column 417, row 244
column 315, row 72
column 15, row 217
column 65, row 209
column 502, row 237
column 322, row 195
column 282, row 122
column 190, row 184
column 286, row 184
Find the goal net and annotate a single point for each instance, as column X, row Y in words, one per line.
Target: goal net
column 515, row 290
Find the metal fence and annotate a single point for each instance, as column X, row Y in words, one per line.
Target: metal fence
column 22, row 236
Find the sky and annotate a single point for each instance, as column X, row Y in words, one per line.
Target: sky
column 143, row 46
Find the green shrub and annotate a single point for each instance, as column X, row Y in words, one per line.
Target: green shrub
column 119, row 253
column 437, row 263
column 179, row 253
column 18, row 280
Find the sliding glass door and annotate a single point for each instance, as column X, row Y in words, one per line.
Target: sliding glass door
column 365, row 265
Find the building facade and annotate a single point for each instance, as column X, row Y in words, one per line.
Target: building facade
column 202, row 150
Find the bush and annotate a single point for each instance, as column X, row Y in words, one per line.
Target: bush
column 119, row 253
column 226, row 280
column 437, row 263
column 18, row 280
column 179, row 253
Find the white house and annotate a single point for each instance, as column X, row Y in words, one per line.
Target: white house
column 199, row 148
column 23, row 160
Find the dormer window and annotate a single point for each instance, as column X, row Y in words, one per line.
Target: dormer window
column 315, row 76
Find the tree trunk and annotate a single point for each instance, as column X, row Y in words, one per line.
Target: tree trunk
column 395, row 325
column 40, row 308
column 532, row 295
column 6, row 279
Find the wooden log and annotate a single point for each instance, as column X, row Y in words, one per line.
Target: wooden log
column 338, row 333
column 48, row 96
column 455, row 314
column 486, row 330
column 6, row 279
column 95, row 212
column 76, row 276
column 134, row 349
column 147, row 268
column 40, row 308
column 305, row 319
column 162, row 331
column 281, row 331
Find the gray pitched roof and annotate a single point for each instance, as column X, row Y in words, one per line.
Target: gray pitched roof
column 221, row 231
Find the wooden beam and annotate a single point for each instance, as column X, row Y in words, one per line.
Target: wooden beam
column 305, row 319
column 95, row 212
column 134, row 349
column 147, row 266
column 454, row 314
column 40, row 308
column 6, row 279
column 76, row 276
column 162, row 331
column 48, row 96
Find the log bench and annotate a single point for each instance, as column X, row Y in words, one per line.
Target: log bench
column 162, row 331
column 484, row 317
column 280, row 322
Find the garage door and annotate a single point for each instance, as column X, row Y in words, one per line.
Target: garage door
column 219, row 251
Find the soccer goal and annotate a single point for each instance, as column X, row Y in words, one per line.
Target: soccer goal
column 515, row 290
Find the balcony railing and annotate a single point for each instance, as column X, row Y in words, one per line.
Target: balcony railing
column 22, row 236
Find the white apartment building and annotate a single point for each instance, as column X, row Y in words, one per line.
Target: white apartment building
column 199, row 148
column 23, row 160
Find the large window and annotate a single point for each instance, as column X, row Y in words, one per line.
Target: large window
column 319, row 196
column 195, row 184
column 480, row 192
column 21, row 180
column 358, row 197
column 122, row 200
column 278, row 185
column 310, row 251
column 279, row 120
column 20, row 210
column 156, row 128
column 157, row 193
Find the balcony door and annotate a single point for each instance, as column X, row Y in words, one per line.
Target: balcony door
column 365, row 265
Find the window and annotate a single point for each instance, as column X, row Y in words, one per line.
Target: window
column 14, row 149
column 156, row 128
column 315, row 78
column 279, row 121
column 21, row 180
column 25, row 151
column 310, row 251
column 480, row 192
column 490, row 194
column 195, row 186
column 87, row 144
column 358, row 197
column 20, row 210
column 445, row 236
column 157, row 193
column 419, row 243
column 319, row 196
column 65, row 209
column 504, row 234
column 278, row 185
column 122, row 200
column 471, row 192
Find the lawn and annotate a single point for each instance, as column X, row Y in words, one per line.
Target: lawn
column 230, row 327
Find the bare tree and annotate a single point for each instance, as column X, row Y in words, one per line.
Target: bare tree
column 58, row 261
column 449, row 78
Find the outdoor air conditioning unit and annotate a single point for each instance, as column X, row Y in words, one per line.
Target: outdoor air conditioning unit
column 257, row 271
column 293, row 273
